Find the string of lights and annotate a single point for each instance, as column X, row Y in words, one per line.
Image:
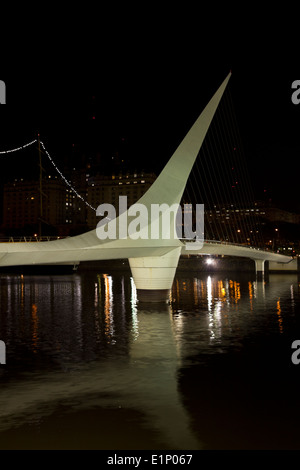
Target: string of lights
column 65, row 179
column 18, row 148
column 53, row 163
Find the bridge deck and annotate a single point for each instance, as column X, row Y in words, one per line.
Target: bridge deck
column 74, row 250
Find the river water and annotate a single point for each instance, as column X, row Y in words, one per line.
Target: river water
column 88, row 367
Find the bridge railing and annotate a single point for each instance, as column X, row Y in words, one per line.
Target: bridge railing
column 29, row 239
column 222, row 242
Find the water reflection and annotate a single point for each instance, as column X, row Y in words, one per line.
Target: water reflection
column 34, row 317
column 225, row 300
column 83, row 342
column 243, row 358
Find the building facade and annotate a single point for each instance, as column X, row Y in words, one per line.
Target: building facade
column 107, row 189
column 59, row 208
column 25, row 205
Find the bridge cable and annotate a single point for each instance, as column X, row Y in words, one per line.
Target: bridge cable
column 210, row 170
column 221, row 180
column 235, row 128
column 244, row 189
column 54, row 165
column 235, row 194
column 227, row 198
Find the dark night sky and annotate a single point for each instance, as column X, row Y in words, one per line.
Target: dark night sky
column 146, row 78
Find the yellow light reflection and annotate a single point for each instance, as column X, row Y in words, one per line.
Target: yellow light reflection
column 221, row 291
column 231, row 290
column 108, row 306
column 202, row 289
column 280, row 321
column 250, row 287
column 234, row 291
column 237, row 291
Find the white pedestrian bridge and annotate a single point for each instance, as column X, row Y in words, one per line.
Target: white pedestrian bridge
column 153, row 262
column 87, row 247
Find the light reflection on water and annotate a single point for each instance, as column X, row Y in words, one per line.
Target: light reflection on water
column 88, row 367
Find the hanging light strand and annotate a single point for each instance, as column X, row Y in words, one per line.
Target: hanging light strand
column 65, row 179
column 18, row 148
column 56, row 168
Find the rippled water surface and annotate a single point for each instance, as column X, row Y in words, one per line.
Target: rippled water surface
column 88, row 367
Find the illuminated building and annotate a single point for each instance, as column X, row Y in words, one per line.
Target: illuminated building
column 107, row 189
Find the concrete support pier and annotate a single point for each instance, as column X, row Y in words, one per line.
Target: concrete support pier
column 260, row 268
column 154, row 275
